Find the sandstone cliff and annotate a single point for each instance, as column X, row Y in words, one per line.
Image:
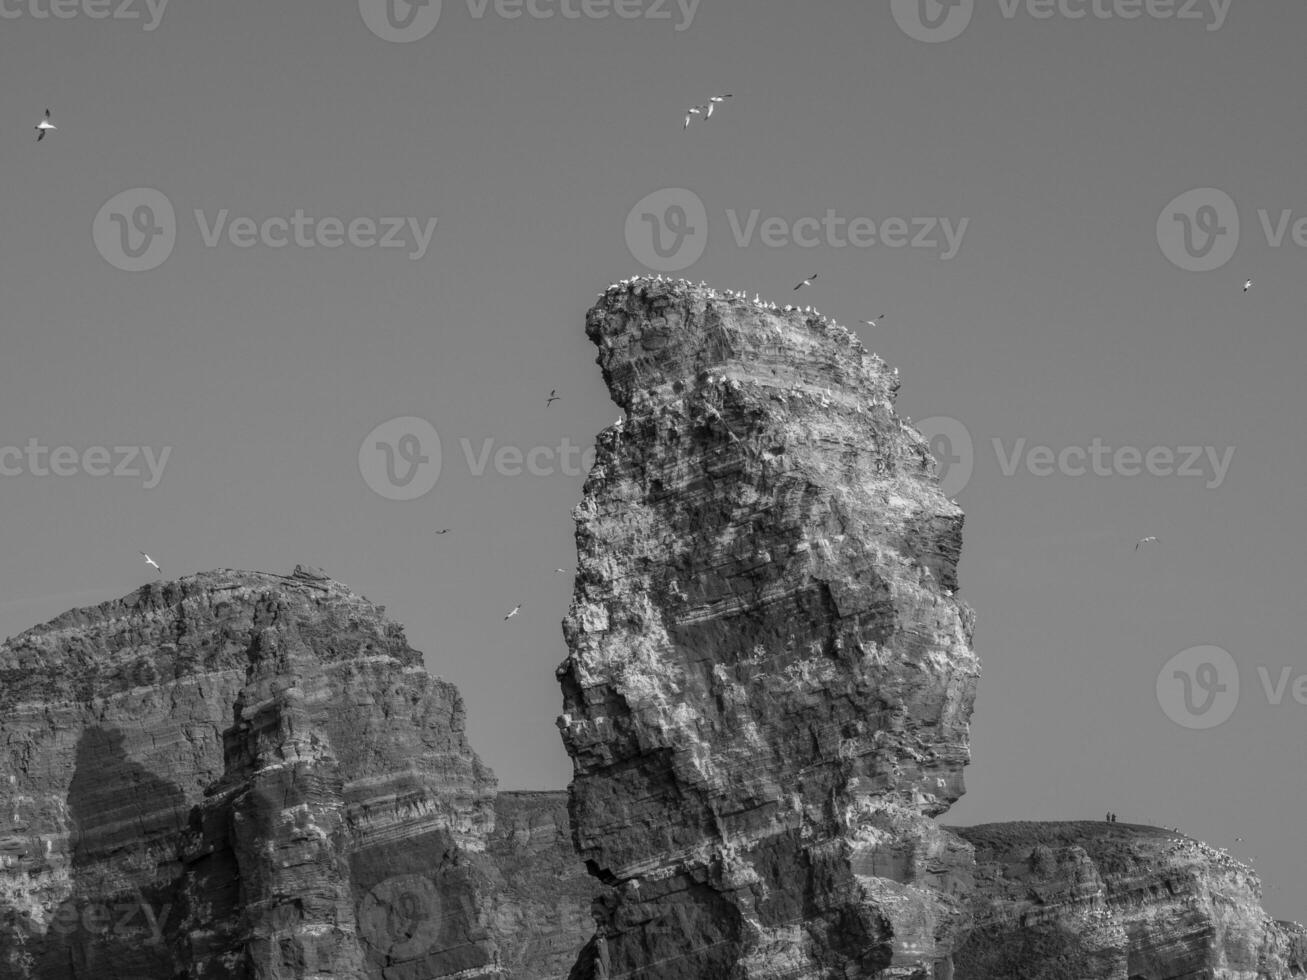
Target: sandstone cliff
column 1099, row 901
column 242, row 775
column 770, row 676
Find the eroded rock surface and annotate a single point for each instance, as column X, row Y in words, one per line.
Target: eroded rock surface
column 1099, row 901
column 242, row 775
column 770, row 675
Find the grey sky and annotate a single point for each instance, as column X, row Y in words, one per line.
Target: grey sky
column 1059, row 320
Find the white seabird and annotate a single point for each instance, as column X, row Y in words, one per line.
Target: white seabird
column 806, row 282
column 1247, row 285
column 553, row 397
column 1146, row 540
column 872, row 323
column 43, row 126
column 712, row 103
column 514, row 612
column 151, row 561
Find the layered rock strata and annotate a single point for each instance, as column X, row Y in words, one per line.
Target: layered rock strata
column 242, row 775
column 1099, row 901
column 770, row 675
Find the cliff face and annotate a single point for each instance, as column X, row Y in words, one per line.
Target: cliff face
column 242, row 776
column 540, row 909
column 1118, row 902
column 770, row 678
column 246, row 775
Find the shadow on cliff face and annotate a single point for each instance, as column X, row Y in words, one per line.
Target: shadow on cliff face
column 122, row 816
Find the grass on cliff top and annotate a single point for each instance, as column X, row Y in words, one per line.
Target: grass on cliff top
column 999, row 837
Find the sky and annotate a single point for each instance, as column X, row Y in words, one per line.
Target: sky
column 1056, row 204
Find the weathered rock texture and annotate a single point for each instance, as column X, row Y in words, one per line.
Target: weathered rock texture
column 1099, row 901
column 540, row 908
column 770, row 678
column 242, row 775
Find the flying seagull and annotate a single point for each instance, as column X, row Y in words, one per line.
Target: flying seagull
column 1247, row 285
column 444, row 530
column 806, row 282
column 514, row 612
column 151, row 561
column 691, row 112
column 553, row 397
column 563, row 570
column 44, row 125
column 872, row 323
column 712, row 103
column 1145, row 541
